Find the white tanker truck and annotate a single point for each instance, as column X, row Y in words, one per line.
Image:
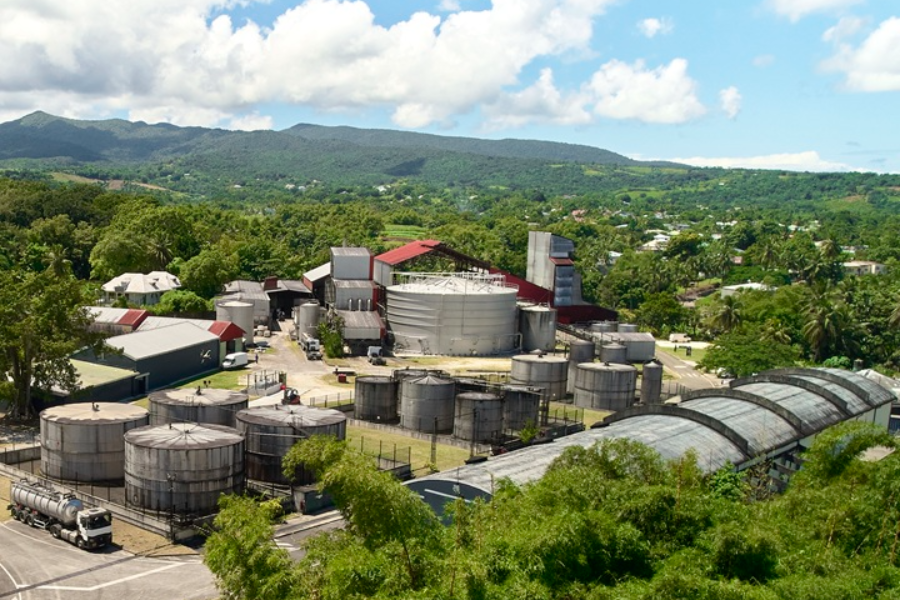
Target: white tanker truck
column 63, row 515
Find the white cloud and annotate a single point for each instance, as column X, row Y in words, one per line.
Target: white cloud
column 165, row 59
column 797, row 9
column 653, row 26
column 846, row 27
column 763, row 60
column 873, row 66
column 449, row 5
column 730, row 99
column 251, row 122
column 539, row 103
column 665, row 94
column 800, row 161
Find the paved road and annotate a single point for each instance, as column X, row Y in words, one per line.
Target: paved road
column 34, row 566
column 686, row 374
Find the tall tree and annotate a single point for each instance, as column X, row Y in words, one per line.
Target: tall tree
column 43, row 320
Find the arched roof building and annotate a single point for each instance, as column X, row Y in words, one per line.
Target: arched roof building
column 773, row 415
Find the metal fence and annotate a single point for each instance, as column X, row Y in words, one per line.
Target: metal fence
column 336, row 400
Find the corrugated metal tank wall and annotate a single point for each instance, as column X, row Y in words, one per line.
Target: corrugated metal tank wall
column 580, row 351
column 537, row 324
column 651, row 383
column 605, row 386
column 84, row 442
column 187, row 406
column 478, row 417
column 272, row 430
column 427, row 404
column 375, row 398
column 183, row 467
column 548, row 372
column 520, row 407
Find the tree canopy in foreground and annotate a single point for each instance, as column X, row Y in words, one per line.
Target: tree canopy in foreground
column 614, row 521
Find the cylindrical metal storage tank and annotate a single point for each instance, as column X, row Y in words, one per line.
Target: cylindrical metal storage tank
column 426, row 404
column 375, row 398
column 627, row 328
column 185, row 405
column 478, row 417
column 548, row 372
column 614, row 353
column 453, row 315
column 239, row 313
column 580, row 351
column 83, row 442
column 307, row 319
column 604, row 326
column 183, row 467
column 270, row 432
column 537, row 324
column 651, row 383
column 605, row 386
column 520, row 407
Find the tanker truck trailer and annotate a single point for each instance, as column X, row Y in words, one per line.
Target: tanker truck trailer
column 63, row 515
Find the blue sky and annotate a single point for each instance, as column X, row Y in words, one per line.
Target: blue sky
column 795, row 84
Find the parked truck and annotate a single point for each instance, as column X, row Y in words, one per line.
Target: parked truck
column 311, row 346
column 63, row 515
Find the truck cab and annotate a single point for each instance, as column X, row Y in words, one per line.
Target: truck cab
column 94, row 527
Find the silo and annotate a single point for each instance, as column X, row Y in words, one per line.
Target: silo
column 627, row 328
column 605, row 386
column 307, row 318
column 239, row 313
column 614, row 353
column 83, row 442
column 548, row 372
column 186, row 405
column 375, row 398
column 651, row 383
column 183, row 467
column 520, row 407
column 453, row 315
column 272, row 430
column 426, row 404
column 604, row 326
column 537, row 324
column 478, row 417
column 580, row 351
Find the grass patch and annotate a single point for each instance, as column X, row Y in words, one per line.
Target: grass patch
column 223, row 380
column 404, row 231
column 448, row 457
column 697, row 354
column 588, row 416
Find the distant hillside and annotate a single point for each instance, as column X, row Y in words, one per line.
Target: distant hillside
column 304, row 152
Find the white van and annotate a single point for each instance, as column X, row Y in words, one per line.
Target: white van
column 235, row 361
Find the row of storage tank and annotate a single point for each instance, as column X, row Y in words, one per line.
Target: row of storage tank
column 183, row 453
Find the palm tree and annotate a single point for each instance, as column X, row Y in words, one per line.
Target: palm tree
column 826, row 323
column 727, row 316
column 774, row 332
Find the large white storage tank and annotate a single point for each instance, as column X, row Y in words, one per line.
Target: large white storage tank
column 186, row 405
column 549, row 373
column 239, row 313
column 453, row 314
column 537, row 324
column 84, row 442
column 426, row 404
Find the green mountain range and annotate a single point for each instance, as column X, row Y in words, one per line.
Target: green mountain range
column 136, row 150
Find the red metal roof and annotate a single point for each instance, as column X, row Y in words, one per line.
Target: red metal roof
column 407, row 252
column 527, row 290
column 226, row 331
column 133, row 317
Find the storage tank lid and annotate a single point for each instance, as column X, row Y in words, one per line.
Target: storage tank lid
column 429, row 380
column 536, row 358
column 613, row 346
column 600, row 366
column 206, row 397
column 183, row 436
column 536, row 308
column 235, row 304
column 94, row 412
column 290, row 416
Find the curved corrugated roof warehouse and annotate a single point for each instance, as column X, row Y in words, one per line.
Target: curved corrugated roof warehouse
column 770, row 415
